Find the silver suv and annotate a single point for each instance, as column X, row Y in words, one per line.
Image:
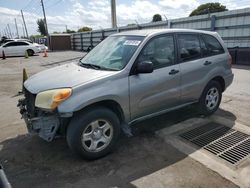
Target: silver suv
column 128, row 77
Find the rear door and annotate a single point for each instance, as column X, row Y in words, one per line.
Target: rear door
column 159, row 90
column 192, row 66
column 8, row 48
column 198, row 56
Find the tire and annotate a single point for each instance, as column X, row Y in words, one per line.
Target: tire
column 30, row 52
column 89, row 129
column 210, row 99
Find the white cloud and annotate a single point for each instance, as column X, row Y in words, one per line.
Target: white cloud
column 175, row 4
column 141, row 11
column 96, row 13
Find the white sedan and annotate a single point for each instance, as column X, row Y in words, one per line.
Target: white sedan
column 18, row 48
column 41, row 46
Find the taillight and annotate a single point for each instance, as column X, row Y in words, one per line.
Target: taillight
column 230, row 60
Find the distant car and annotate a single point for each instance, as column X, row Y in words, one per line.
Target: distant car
column 18, row 48
column 41, row 46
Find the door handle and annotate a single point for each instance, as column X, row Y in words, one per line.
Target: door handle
column 173, row 71
column 207, row 63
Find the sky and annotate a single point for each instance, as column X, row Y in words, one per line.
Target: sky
column 96, row 14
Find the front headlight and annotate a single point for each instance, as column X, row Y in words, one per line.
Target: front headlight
column 52, row 98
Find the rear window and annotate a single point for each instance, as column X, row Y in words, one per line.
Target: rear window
column 211, row 46
column 10, row 44
column 189, row 47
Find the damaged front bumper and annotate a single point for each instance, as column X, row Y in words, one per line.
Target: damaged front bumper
column 45, row 125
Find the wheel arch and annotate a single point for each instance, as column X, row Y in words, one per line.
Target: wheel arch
column 218, row 79
column 109, row 104
column 221, row 81
column 29, row 49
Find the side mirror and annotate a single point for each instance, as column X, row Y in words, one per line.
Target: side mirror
column 144, row 67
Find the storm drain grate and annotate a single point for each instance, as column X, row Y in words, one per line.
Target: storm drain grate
column 228, row 144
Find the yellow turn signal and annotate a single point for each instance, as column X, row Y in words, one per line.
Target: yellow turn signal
column 50, row 99
column 60, row 96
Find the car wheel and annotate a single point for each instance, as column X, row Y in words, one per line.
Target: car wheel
column 30, row 52
column 210, row 98
column 94, row 133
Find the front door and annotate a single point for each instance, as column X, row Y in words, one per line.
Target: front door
column 153, row 92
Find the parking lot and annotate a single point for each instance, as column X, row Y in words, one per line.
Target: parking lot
column 144, row 160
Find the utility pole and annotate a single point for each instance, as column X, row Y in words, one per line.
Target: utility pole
column 23, row 31
column 16, row 29
column 25, row 25
column 113, row 14
column 8, row 26
column 45, row 24
column 66, row 28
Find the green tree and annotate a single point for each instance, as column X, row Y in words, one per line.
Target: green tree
column 84, row 29
column 208, row 8
column 69, row 31
column 41, row 27
column 157, row 18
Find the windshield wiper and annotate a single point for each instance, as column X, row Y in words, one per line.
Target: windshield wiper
column 97, row 67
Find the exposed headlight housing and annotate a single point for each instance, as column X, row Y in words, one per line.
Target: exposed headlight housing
column 50, row 99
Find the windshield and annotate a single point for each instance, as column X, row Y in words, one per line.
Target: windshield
column 113, row 53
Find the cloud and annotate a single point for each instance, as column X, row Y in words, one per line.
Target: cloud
column 176, row 4
column 97, row 14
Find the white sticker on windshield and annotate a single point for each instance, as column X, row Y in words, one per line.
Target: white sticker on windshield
column 132, row 42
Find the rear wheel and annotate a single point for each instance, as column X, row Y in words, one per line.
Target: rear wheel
column 94, row 133
column 30, row 52
column 210, row 98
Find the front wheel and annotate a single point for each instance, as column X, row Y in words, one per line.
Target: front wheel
column 210, row 98
column 30, row 52
column 94, row 133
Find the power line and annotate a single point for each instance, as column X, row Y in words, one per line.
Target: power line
column 31, row 1
column 53, row 4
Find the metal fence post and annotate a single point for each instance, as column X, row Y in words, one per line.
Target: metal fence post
column 81, row 41
column 91, row 40
column 73, row 41
column 213, row 20
column 102, row 35
column 169, row 23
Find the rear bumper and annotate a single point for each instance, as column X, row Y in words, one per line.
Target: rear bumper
column 45, row 125
column 228, row 80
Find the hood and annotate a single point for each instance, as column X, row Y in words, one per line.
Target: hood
column 69, row 75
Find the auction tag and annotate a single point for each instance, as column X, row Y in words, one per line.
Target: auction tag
column 132, row 42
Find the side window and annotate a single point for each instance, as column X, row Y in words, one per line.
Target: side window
column 21, row 44
column 213, row 47
column 10, row 44
column 189, row 47
column 160, row 51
